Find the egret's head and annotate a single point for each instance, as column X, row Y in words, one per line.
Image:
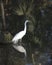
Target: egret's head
column 27, row 21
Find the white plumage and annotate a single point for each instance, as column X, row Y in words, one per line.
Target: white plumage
column 20, row 49
column 20, row 35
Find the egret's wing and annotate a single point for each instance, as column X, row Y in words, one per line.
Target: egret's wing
column 18, row 36
column 15, row 37
column 15, row 40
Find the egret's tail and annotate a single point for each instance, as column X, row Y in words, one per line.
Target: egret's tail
column 14, row 42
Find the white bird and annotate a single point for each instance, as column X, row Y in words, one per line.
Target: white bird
column 20, row 35
column 20, row 49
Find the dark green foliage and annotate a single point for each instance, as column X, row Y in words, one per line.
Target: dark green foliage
column 39, row 30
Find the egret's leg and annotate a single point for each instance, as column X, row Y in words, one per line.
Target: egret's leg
column 20, row 42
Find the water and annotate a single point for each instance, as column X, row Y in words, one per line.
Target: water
column 29, row 64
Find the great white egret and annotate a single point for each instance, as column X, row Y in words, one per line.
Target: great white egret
column 20, row 49
column 20, row 35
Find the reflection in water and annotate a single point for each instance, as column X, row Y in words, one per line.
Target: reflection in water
column 44, row 59
column 29, row 64
column 42, row 12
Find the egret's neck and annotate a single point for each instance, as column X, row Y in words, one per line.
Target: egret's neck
column 25, row 27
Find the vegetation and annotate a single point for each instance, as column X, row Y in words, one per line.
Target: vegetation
column 13, row 13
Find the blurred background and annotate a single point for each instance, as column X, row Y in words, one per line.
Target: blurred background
column 38, row 39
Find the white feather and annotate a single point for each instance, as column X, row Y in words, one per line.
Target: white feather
column 20, row 35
